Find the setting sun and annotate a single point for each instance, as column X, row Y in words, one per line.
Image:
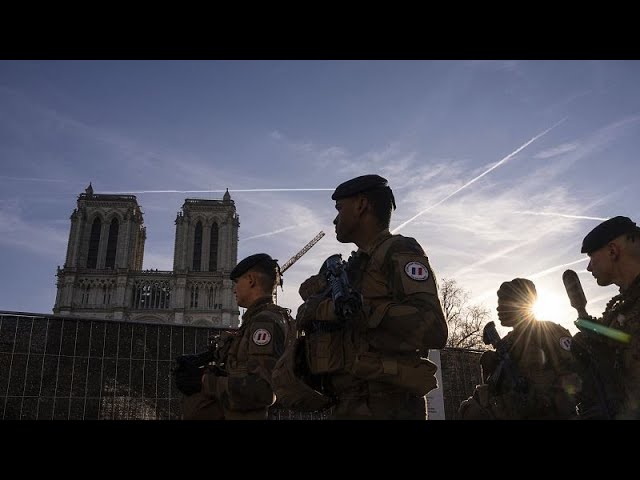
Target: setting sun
column 549, row 306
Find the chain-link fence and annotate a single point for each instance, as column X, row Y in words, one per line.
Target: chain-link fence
column 70, row 368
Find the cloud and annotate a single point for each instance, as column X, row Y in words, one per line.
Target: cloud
column 470, row 182
column 276, row 135
column 33, row 237
column 555, row 151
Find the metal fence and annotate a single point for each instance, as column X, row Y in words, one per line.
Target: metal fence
column 83, row 369
column 460, row 374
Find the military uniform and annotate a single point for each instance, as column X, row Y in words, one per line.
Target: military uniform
column 611, row 366
column 541, row 351
column 532, row 373
column 623, row 313
column 242, row 388
column 238, row 384
column 375, row 365
column 367, row 351
column 541, row 354
column 617, row 364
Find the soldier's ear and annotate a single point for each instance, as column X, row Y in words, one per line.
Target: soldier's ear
column 362, row 203
column 614, row 250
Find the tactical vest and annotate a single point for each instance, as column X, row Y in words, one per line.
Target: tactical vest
column 540, row 352
column 293, row 384
column 360, row 348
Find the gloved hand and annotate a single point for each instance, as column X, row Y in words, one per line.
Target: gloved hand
column 317, row 308
column 313, row 286
column 188, row 378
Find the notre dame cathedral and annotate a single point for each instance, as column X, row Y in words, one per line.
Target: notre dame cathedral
column 102, row 276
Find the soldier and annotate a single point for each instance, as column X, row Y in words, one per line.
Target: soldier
column 239, row 387
column 611, row 364
column 532, row 374
column 374, row 364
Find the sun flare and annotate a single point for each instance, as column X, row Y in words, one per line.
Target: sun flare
column 549, row 306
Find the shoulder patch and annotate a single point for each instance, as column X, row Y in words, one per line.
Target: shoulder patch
column 565, row 342
column 416, row 271
column 261, row 337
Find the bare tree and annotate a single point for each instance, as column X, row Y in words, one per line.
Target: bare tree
column 465, row 322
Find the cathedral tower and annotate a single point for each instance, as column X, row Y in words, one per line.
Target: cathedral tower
column 102, row 275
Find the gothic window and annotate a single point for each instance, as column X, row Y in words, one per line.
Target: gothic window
column 84, row 289
column 112, row 244
column 197, row 247
column 135, row 295
column 145, row 300
column 94, row 243
column 153, row 303
column 213, row 248
column 194, row 296
column 210, row 296
column 155, row 295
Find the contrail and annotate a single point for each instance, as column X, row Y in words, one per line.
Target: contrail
column 222, row 191
column 550, row 214
column 600, row 298
column 532, row 276
column 505, row 159
column 554, row 269
column 269, row 233
column 32, row 179
column 493, row 257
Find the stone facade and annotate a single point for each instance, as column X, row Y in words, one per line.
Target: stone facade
column 102, row 277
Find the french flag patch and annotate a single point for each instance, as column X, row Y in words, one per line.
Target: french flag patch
column 261, row 337
column 416, row 271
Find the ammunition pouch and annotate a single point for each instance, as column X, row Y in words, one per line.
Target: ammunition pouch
column 413, row 374
column 289, row 381
column 325, row 351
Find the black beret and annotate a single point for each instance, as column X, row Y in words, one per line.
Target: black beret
column 260, row 259
column 607, row 231
column 358, row 185
column 521, row 290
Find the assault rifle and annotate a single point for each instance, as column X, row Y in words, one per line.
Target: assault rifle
column 196, row 359
column 212, row 355
column 518, row 383
column 347, row 302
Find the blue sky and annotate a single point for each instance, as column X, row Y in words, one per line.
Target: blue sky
column 499, row 168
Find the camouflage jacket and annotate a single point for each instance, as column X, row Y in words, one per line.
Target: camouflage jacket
column 243, row 386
